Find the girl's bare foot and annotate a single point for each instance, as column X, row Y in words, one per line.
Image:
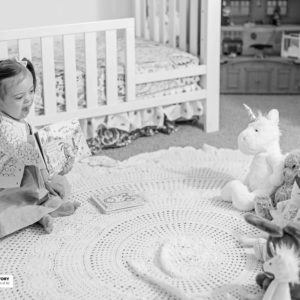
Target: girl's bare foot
column 47, row 223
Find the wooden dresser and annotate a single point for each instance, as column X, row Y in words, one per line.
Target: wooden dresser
column 269, row 75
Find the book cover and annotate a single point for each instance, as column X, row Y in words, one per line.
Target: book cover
column 120, row 201
column 61, row 145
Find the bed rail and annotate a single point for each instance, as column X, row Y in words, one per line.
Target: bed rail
column 68, row 32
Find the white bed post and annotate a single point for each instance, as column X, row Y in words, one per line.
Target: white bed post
column 210, row 56
column 137, row 15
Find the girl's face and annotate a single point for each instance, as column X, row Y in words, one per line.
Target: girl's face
column 19, row 94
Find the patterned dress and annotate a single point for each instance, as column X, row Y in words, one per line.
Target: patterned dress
column 24, row 200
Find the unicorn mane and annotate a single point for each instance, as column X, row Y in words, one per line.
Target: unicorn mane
column 291, row 257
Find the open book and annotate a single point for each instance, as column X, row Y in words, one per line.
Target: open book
column 118, row 201
column 61, row 144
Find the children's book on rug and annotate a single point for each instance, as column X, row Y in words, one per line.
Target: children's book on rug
column 61, row 144
column 120, row 201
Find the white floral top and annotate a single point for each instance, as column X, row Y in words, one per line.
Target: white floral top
column 15, row 152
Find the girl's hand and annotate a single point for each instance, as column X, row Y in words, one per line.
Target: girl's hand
column 68, row 166
column 51, row 189
column 55, row 189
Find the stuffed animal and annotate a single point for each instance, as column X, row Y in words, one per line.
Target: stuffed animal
column 284, row 266
column 263, row 247
column 264, row 205
column 288, row 210
column 290, row 170
column 260, row 139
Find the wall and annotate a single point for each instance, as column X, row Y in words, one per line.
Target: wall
column 30, row 13
column 294, row 11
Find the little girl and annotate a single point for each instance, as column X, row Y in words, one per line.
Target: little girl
column 26, row 194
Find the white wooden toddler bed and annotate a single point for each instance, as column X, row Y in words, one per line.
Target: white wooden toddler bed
column 99, row 71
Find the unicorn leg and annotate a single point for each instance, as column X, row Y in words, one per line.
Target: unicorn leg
column 229, row 188
column 237, row 192
column 242, row 199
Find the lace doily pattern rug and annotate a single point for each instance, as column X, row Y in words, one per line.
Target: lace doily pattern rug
column 180, row 245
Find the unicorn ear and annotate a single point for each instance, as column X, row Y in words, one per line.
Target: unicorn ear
column 273, row 116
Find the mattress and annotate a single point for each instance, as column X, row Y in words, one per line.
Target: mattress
column 150, row 57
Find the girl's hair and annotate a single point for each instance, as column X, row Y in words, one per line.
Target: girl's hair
column 13, row 67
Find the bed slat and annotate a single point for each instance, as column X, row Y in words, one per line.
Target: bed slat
column 183, row 13
column 48, row 75
column 91, row 70
column 194, row 28
column 25, row 49
column 138, row 15
column 210, row 55
column 162, row 10
column 130, row 64
column 3, row 50
column 153, row 26
column 172, row 23
column 111, row 66
column 143, row 18
column 25, row 52
column 70, row 72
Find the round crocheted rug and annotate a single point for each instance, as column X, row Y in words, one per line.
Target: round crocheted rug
column 180, row 245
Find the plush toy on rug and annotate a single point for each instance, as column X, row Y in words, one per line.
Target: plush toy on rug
column 260, row 139
column 276, row 237
column 265, row 205
column 291, row 169
column 284, row 266
column 288, row 210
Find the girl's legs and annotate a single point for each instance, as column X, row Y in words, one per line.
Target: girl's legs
column 66, row 209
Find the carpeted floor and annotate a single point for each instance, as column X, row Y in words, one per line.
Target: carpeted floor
column 233, row 119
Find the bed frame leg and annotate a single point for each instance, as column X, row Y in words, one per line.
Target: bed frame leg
column 211, row 116
column 210, row 56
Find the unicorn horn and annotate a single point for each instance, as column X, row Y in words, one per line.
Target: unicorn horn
column 250, row 112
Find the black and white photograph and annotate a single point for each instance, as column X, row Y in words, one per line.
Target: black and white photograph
column 150, row 150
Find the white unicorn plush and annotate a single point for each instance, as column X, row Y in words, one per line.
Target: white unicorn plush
column 260, row 139
column 284, row 265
